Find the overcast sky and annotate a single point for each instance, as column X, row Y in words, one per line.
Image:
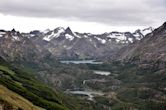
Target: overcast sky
column 94, row 16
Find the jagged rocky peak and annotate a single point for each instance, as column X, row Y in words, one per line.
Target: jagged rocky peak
column 56, row 30
column 68, row 31
column 11, row 35
column 53, row 34
column 15, row 35
column 101, row 44
column 144, row 32
column 13, row 30
column 60, row 28
column 149, row 28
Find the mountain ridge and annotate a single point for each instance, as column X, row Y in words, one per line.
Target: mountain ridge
column 64, row 43
column 61, row 43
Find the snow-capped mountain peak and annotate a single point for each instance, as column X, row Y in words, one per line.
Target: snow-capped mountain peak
column 119, row 37
column 12, row 35
column 68, row 32
column 53, row 34
column 147, row 31
column 64, row 42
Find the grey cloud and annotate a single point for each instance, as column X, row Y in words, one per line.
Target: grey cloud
column 113, row 12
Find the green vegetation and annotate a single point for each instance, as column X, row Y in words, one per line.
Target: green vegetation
column 29, row 87
column 25, row 83
column 142, row 86
column 128, row 87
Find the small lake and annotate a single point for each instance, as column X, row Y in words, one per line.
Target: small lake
column 90, row 94
column 81, row 62
column 106, row 73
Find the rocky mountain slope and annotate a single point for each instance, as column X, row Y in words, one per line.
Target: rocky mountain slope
column 66, row 44
column 152, row 48
column 18, row 49
column 62, row 43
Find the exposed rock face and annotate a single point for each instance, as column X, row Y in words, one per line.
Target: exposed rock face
column 62, row 43
column 152, row 48
column 16, row 48
column 65, row 44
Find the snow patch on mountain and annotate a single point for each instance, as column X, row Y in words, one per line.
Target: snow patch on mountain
column 49, row 37
column 54, row 34
column 2, row 34
column 119, row 36
column 85, row 36
column 15, row 38
column 76, row 35
column 130, row 39
column 103, row 41
column 139, row 34
column 69, row 37
column 115, row 36
column 32, row 35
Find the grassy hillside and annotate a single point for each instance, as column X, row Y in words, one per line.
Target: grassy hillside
column 25, row 83
column 10, row 100
column 28, row 86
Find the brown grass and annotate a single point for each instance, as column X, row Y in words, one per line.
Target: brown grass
column 15, row 100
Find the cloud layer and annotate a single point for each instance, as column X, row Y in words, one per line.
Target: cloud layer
column 111, row 12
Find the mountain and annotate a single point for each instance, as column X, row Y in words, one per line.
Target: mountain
column 63, row 43
column 152, row 48
column 142, row 72
column 137, row 79
column 66, row 44
column 14, row 45
column 20, row 49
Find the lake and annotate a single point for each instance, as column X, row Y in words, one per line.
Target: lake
column 81, row 62
column 106, row 73
column 90, row 94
